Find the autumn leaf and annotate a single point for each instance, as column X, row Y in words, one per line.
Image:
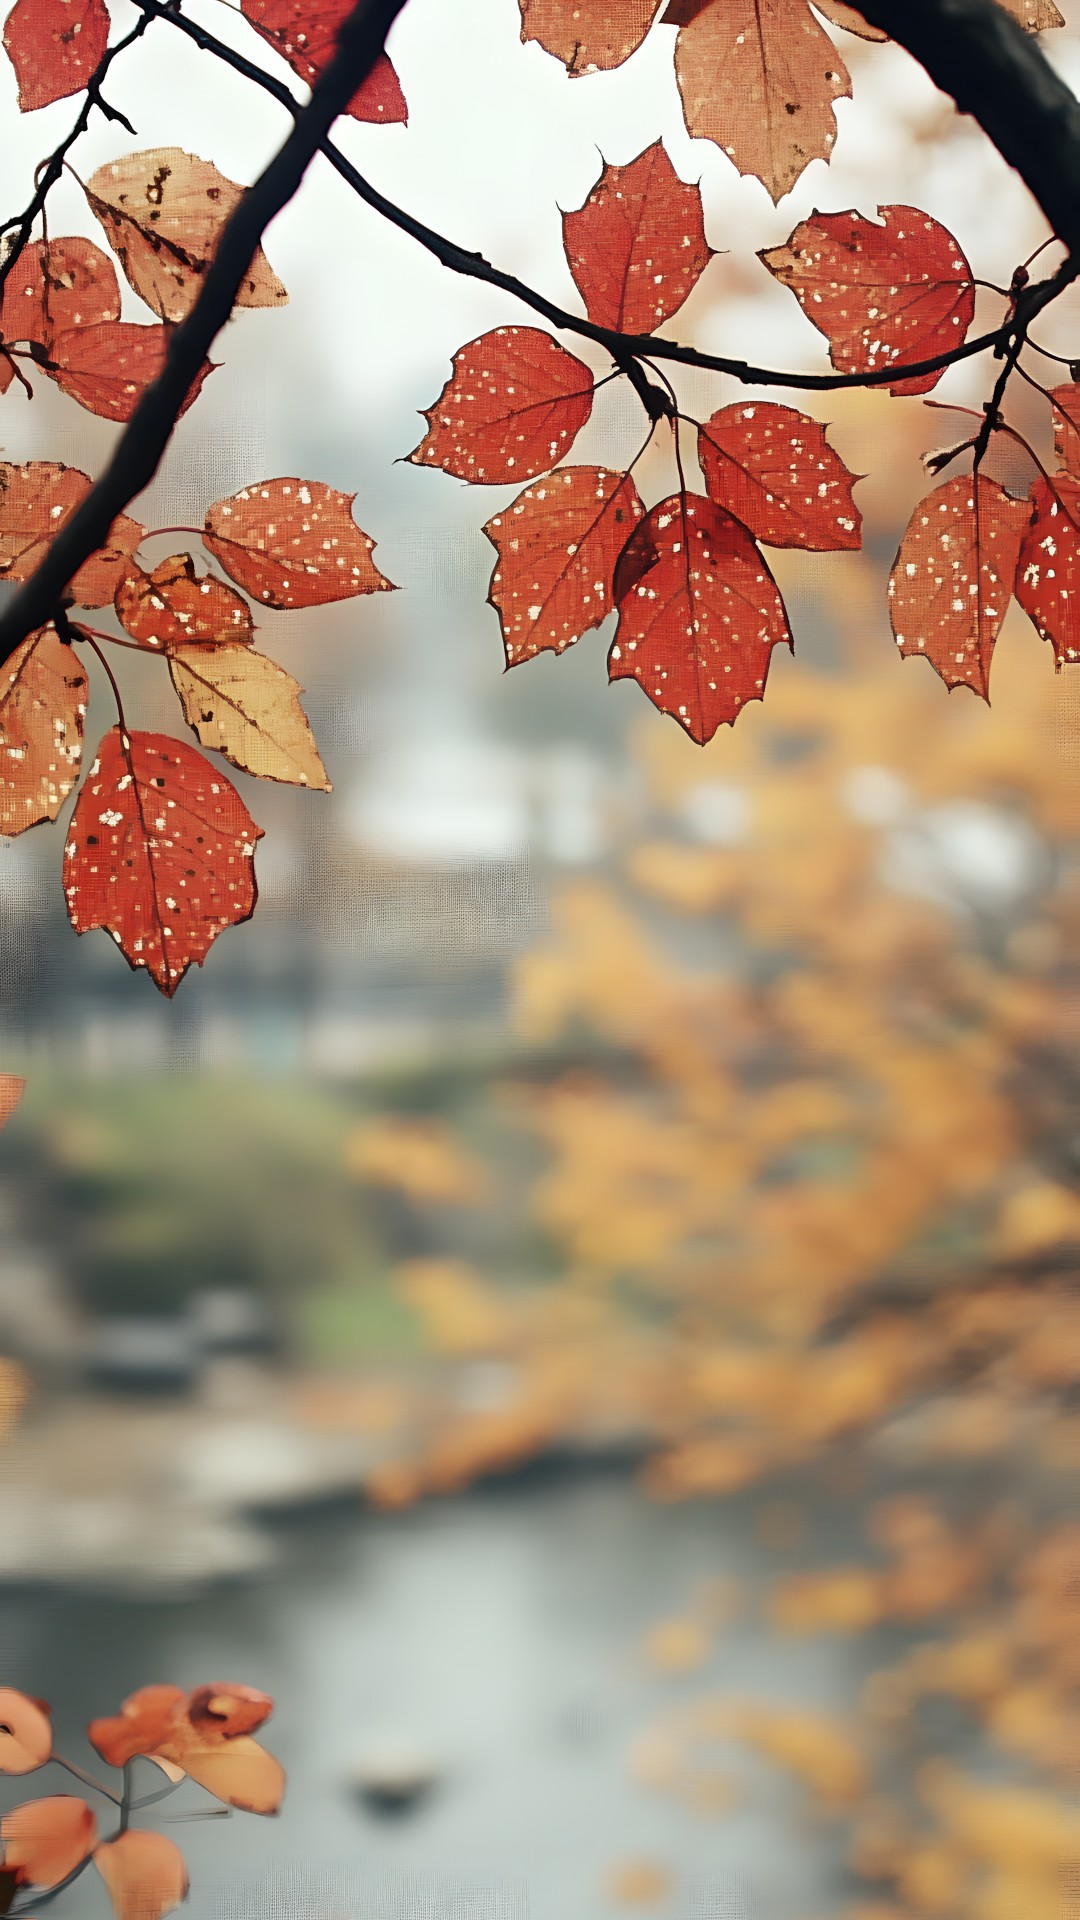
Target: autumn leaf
column 163, row 211
column 160, row 854
column 98, row 578
column 12, row 1088
column 143, row 1722
column 159, row 1717
column 900, row 290
column 56, row 285
column 952, row 578
column 35, row 501
column 144, row 1873
column 248, row 708
column 1048, row 570
column 849, row 18
column 239, row 1771
column 305, row 35
column 510, row 410
column 293, row 543
column 108, row 368
column 588, row 35
column 699, row 614
column 54, row 46
column 637, row 247
column 557, row 545
column 760, row 81
column 25, row 1732
column 43, row 694
column 1065, row 405
column 775, row 471
column 225, row 1709
column 174, row 606
column 44, row 1840
column 1036, row 16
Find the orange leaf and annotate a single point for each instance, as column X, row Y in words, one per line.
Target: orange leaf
column 511, row 408
column 849, row 18
column 173, row 607
column 44, row 1840
column 952, row 578
column 1034, row 15
column 557, row 545
column 35, row 501
column 11, row 1092
column 239, row 1771
column 305, row 33
column 1048, row 570
column 143, row 1722
column 901, row 290
column 293, row 543
column 107, row 368
column 1065, row 402
column 43, row 694
column 587, row 35
column 25, row 1732
column 58, row 284
column 54, row 46
column 637, row 247
column 775, row 471
column 144, row 1873
column 98, row 578
column 160, row 854
column 225, row 1709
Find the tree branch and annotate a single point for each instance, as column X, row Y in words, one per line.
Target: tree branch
column 145, row 438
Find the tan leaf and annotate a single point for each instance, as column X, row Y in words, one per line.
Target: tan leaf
column 248, row 708
column 43, row 691
column 849, row 18
column 239, row 1772
column 588, row 35
column 1035, row 16
column 162, row 211
column 173, row 607
column 144, row 1873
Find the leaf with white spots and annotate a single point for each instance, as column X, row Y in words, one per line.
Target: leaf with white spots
column 305, row 33
column 174, row 606
column 558, row 543
column 1035, row 16
column 588, row 36
column 637, row 247
column 511, row 409
column 56, row 285
column 160, row 854
column 35, row 501
column 54, row 46
column 895, row 291
column 952, row 578
column 43, row 693
column 1048, row 570
column 699, row 614
column 293, row 543
column 773, row 468
column 1065, row 403
column 248, row 708
column 107, row 368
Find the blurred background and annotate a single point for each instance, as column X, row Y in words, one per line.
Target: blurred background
column 578, row 1297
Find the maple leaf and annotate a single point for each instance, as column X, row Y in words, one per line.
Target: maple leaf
column 898, row 290
column 43, row 693
column 952, row 578
column 759, row 77
column 773, row 468
column 44, row 1840
column 173, row 606
column 637, row 247
column 246, row 706
column 54, row 46
column 699, row 614
column 163, row 211
column 160, row 854
column 293, row 543
column 588, row 35
column 306, row 34
column 107, row 368
column 1065, row 403
column 558, row 543
column 57, row 284
column 144, row 1873
column 510, row 410
column 1048, row 569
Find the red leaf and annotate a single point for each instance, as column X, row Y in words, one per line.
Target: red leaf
column 775, row 471
column 54, row 47
column 44, row 1840
column 173, row 606
column 699, row 614
column 144, row 1873
column 25, row 1732
column 35, row 501
column 98, row 578
column 1065, row 402
column 143, row 1722
column 899, row 291
column 1048, row 570
column 637, row 247
column 57, row 285
column 952, row 578
column 588, row 35
column 293, row 543
column 160, row 854
column 305, row 35
column 43, row 693
column 107, row 368
column 510, row 410
column 557, row 544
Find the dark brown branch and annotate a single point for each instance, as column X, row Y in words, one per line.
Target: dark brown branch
column 145, row 438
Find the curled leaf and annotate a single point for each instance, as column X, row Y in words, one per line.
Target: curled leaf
column 25, row 1732
column 43, row 694
column 293, row 543
column 44, row 1840
column 143, row 1722
column 513, row 405
column 144, row 1873
column 174, row 606
column 224, row 1709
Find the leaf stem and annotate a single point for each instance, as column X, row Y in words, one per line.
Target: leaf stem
column 111, row 677
column 88, row 1780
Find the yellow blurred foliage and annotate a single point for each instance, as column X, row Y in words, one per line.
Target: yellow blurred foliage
column 420, row 1159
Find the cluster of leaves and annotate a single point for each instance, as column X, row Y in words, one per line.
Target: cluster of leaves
column 203, row 1735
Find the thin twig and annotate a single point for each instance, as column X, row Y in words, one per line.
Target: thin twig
column 88, row 1780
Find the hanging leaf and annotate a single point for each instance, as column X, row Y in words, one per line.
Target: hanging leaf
column 225, row 1709
column 1036, row 16
column 163, row 211
column 588, row 35
column 557, row 545
column 25, row 1732
column 761, row 83
column 56, row 285
column 144, row 1873
column 160, row 854
column 775, row 471
column 108, row 368
column 952, row 578
column 240, row 1772
column 43, row 694
column 143, row 1722
column 54, row 46
column 248, row 708
column 98, row 578
column 1065, row 404
column 1048, row 570
column 35, row 501
column 637, row 247
column 306, row 34
column 173, row 606
column 293, row 543
column 900, row 290
column 513, row 405
column 699, row 614
column 12, row 1089
column 849, row 18
column 44, row 1840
